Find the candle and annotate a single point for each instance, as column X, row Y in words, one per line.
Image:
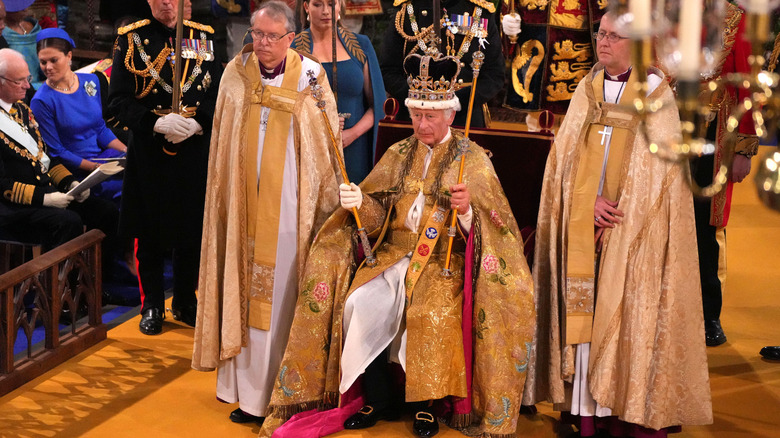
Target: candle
column 689, row 31
column 640, row 10
column 758, row 6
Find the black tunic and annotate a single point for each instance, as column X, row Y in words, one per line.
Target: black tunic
column 163, row 194
column 491, row 77
column 22, row 179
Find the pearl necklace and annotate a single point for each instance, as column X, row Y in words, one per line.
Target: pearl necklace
column 64, row 90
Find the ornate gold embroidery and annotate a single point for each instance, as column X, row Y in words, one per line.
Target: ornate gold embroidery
column 568, row 71
column 132, row 26
column 534, row 4
column 203, row 27
column 603, row 4
column 352, row 45
column 561, row 91
column 523, row 56
column 562, row 72
column 230, row 6
column 568, row 50
column 570, row 17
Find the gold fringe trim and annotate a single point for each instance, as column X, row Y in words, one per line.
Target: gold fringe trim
column 195, row 25
column 286, row 411
column 329, row 400
column 462, row 421
column 133, row 26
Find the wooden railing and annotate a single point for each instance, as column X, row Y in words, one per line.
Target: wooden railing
column 52, row 290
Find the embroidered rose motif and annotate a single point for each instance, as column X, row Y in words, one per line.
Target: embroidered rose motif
column 496, row 219
column 321, row 292
column 90, row 88
column 490, row 264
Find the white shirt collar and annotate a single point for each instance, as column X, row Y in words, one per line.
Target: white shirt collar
column 5, row 105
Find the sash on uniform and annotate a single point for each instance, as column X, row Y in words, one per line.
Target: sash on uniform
column 12, row 129
column 264, row 196
column 581, row 249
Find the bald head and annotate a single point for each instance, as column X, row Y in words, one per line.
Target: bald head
column 15, row 75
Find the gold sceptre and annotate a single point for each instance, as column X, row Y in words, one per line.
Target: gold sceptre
column 316, row 93
column 476, row 63
column 171, row 148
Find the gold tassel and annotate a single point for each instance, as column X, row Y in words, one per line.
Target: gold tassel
column 775, row 54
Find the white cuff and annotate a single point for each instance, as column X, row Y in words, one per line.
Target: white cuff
column 465, row 221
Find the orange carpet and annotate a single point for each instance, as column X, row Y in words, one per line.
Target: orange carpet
column 136, row 386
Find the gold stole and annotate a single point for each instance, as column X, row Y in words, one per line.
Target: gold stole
column 264, row 197
column 581, row 249
column 423, row 249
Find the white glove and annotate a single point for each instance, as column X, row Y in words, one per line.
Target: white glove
column 81, row 197
column 350, row 196
column 192, row 128
column 511, row 24
column 56, row 200
column 171, row 124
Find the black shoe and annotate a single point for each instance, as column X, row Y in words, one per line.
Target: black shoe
column 151, row 321
column 186, row 314
column 425, row 424
column 771, row 353
column 713, row 333
column 367, row 416
column 239, row 416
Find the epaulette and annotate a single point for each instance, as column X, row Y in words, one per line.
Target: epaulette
column 103, row 65
column 490, row 6
column 203, row 27
column 133, row 26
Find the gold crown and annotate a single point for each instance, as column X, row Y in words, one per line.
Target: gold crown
column 422, row 70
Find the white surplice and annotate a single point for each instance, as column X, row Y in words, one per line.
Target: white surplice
column 249, row 377
column 582, row 402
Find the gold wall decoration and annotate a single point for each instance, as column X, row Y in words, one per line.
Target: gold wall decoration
column 561, row 91
column 568, row 50
column 562, row 71
column 524, row 55
column 534, row 4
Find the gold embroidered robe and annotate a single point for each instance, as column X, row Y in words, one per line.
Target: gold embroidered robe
column 647, row 359
column 503, row 312
column 224, row 280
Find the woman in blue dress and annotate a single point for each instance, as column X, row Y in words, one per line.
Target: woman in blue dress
column 69, row 111
column 360, row 90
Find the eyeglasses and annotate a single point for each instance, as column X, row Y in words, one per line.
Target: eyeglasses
column 272, row 38
column 611, row 37
column 18, row 82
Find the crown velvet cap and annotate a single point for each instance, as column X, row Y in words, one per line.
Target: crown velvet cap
column 432, row 82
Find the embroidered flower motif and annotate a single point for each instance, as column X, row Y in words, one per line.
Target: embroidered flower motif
column 90, row 88
column 321, row 292
column 496, row 219
column 490, row 264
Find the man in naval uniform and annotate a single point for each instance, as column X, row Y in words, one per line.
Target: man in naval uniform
column 469, row 26
column 35, row 205
column 165, row 179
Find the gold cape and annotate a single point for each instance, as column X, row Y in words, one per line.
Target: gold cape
column 503, row 312
column 223, row 283
column 647, row 361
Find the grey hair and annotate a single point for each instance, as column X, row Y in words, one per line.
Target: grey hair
column 276, row 10
column 5, row 56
